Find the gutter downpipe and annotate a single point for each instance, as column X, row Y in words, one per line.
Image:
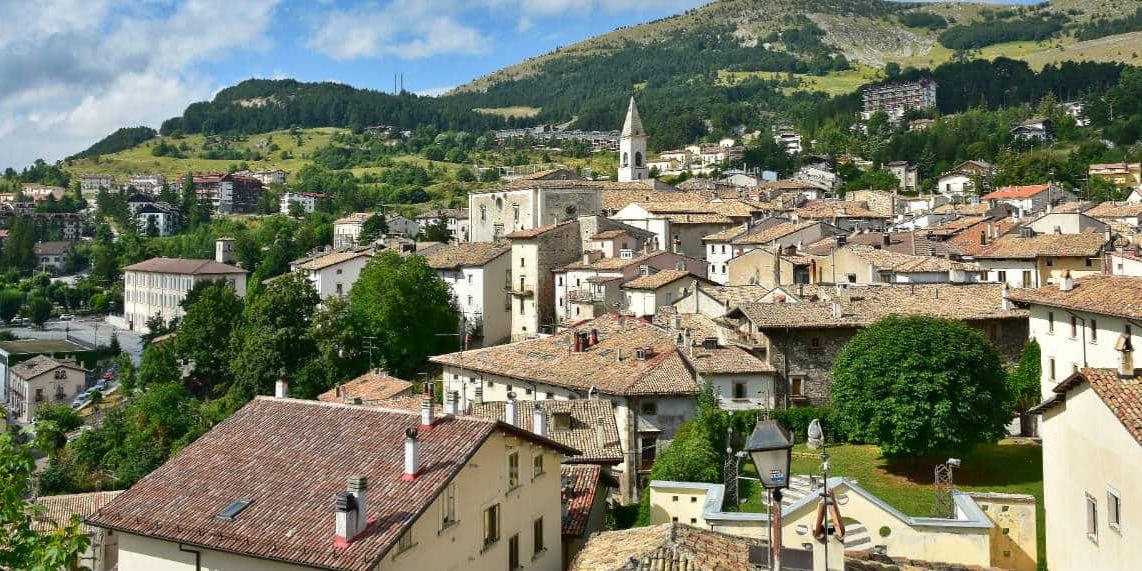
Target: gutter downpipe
column 197, row 556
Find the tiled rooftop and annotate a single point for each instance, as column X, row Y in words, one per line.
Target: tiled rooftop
column 887, row 260
column 968, row 242
column 665, row 547
column 610, row 366
column 537, row 231
column 1019, row 247
column 579, row 496
column 454, row 256
column 1123, row 396
column 862, row 306
column 292, row 476
column 657, row 279
column 369, row 387
column 331, row 259
column 184, row 266
column 580, row 432
column 815, row 209
column 1110, row 295
column 1116, row 210
column 39, row 365
column 59, row 509
column 1010, row 192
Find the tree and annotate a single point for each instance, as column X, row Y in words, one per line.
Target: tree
column 113, row 347
column 402, row 303
column 891, row 69
column 126, row 373
column 1023, row 384
column 917, row 385
column 212, row 312
column 53, row 422
column 10, row 302
column 39, row 309
column 437, row 231
column 373, row 228
column 22, row 545
column 158, row 365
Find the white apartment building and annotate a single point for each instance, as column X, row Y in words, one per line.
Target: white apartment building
column 896, row 98
column 478, row 275
column 271, row 176
column 42, row 380
column 307, row 200
column 347, row 229
column 157, row 287
column 332, row 274
column 149, row 183
column 455, row 220
column 92, row 183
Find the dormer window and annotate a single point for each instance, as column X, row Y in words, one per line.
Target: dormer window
column 561, row 421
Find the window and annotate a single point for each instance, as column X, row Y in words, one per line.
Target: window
column 649, row 408
column 521, row 311
column 739, row 390
column 483, row 213
column 1089, row 262
column 536, row 466
column 513, row 552
column 1074, row 327
column 816, row 344
column 797, row 386
column 491, row 525
column 1113, row 509
column 405, row 541
column 1051, row 368
column 537, row 536
column 1093, row 330
column 559, row 280
column 513, row 470
column 522, row 262
column 1027, row 279
column 338, row 271
column 340, row 289
column 448, row 506
column 1050, row 322
column 1001, row 275
column 1050, row 262
column 39, row 395
column 1091, row 518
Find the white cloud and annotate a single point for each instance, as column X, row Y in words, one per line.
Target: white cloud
column 409, row 29
column 75, row 70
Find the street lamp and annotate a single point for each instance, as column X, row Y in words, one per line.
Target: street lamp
column 771, row 450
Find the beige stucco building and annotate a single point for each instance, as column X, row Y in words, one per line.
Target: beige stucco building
column 465, row 494
column 42, row 380
column 158, row 286
column 535, row 254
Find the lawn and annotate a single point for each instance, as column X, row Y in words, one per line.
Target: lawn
column 518, row 111
column 833, row 83
column 1009, row 467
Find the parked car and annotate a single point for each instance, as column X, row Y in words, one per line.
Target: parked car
column 66, row 317
column 109, row 375
column 80, row 399
column 101, row 384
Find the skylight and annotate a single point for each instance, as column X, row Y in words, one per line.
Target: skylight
column 233, row 509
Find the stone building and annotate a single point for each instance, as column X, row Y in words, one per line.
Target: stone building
column 524, row 205
column 632, row 147
column 535, row 253
column 802, row 335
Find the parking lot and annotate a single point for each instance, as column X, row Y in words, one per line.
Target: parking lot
column 92, row 330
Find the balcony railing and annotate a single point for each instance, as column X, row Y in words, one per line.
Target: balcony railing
column 585, row 296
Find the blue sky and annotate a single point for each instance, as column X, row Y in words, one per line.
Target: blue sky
column 72, row 71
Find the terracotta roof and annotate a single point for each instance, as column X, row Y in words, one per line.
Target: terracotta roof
column 726, row 208
column 452, row 256
column 534, row 232
column 1074, row 206
column 968, row 243
column 1009, row 192
column 963, row 209
column 1123, row 396
column 184, row 266
column 1109, row 295
column 581, row 432
column 609, row 234
column 292, row 477
column 900, row 242
column 436, row 214
column 658, row 279
column 734, row 295
column 612, row 264
column 332, row 259
column 726, row 235
column 770, row 234
column 836, row 209
column 54, row 248
column 59, row 509
column 887, row 260
column 1018, row 247
column 956, row 225
column 579, row 493
column 616, row 199
column 862, row 306
column 39, row 365
column 1116, row 210
column 669, row 546
column 367, row 387
column 611, row 366
column 355, row 218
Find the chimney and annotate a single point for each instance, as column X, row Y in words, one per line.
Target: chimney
column 1006, row 303
column 594, row 336
column 281, row 387
column 345, row 519
column 887, row 240
column 510, row 410
column 600, row 432
column 479, row 397
column 539, row 420
column 358, row 485
column 427, row 406
column 1125, row 357
column 983, row 237
column 576, row 347
column 1066, row 283
column 411, row 455
column 452, row 403
column 837, row 310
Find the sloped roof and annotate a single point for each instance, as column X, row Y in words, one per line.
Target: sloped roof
column 669, row 546
column 184, row 266
column 292, row 476
column 369, row 387
column 1010, row 192
column 550, row 360
column 1123, row 396
column 355, row 217
column 39, row 365
column 537, row 231
column 331, row 259
column 59, row 509
column 54, row 248
column 1110, row 295
column 452, row 256
column 1116, row 210
column 579, row 496
column 1014, row 246
column 767, row 235
column 658, row 279
column 836, row 209
column 582, row 433
column 632, row 125
column 888, row 260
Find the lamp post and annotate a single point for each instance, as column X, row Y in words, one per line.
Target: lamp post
column 816, row 439
column 771, row 450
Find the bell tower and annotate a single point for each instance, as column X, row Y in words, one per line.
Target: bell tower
column 632, row 148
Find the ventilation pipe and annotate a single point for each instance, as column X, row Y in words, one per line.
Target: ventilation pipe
column 411, row 455
column 1005, row 304
column 837, row 313
column 1125, row 357
column 539, row 420
column 510, row 410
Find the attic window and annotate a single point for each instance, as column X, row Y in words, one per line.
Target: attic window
column 233, row 509
column 561, row 421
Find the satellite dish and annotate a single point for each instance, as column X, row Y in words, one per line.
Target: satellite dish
column 816, row 435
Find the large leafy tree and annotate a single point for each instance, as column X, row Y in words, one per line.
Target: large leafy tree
column 1023, row 384
column 39, row 309
column 10, row 302
column 213, row 313
column 158, row 365
column 373, row 228
column 403, row 305
column 22, row 546
column 917, row 385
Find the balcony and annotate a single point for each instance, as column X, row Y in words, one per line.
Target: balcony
column 585, row 296
column 522, row 292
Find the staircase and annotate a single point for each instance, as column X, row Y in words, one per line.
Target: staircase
column 857, row 537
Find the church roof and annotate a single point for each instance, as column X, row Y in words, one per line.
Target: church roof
column 633, row 124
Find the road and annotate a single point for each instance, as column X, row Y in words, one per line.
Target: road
column 88, row 329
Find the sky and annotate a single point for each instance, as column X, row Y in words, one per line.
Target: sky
column 73, row 71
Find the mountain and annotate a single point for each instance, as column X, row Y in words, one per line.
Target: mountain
column 735, row 50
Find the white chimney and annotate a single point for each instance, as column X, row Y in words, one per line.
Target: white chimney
column 358, row 486
column 837, row 313
column 600, row 432
column 539, row 420
column 452, row 403
column 411, row 455
column 1125, row 356
column 1066, row 283
column 427, row 415
column 1006, row 303
column 509, row 410
column 281, row 388
column 344, row 518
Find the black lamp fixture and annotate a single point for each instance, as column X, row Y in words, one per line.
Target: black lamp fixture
column 771, row 449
